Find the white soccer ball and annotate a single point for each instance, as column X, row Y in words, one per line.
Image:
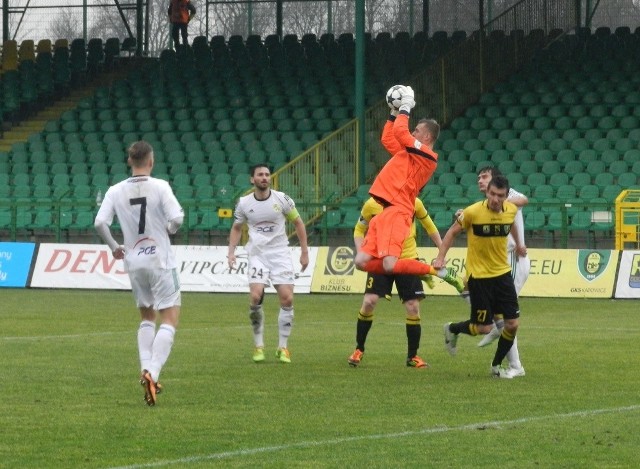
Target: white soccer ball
column 394, row 96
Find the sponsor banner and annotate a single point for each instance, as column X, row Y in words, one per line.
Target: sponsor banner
column 78, row 266
column 335, row 271
column 628, row 285
column 15, row 261
column 566, row 273
column 571, row 273
column 205, row 269
column 201, row 268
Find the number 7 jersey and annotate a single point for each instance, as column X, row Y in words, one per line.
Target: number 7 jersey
column 144, row 205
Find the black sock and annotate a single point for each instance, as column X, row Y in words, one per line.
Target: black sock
column 414, row 331
column 461, row 328
column 362, row 329
column 505, row 342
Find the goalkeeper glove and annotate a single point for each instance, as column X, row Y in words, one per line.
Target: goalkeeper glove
column 407, row 101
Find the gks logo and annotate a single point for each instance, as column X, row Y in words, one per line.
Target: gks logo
column 340, row 261
column 592, row 263
column 634, row 273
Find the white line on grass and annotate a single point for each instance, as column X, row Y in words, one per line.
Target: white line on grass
column 384, row 436
column 309, row 324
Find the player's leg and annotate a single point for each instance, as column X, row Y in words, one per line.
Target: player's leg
column 258, row 277
column 520, row 273
column 256, row 318
column 281, row 275
column 520, row 267
column 285, row 321
column 377, row 286
column 380, row 252
column 506, row 301
column 166, row 291
column 480, row 318
column 411, row 292
column 146, row 330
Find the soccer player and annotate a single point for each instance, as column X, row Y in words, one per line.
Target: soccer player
column 265, row 212
column 148, row 212
column 410, row 289
column 491, row 288
column 395, row 188
column 520, row 267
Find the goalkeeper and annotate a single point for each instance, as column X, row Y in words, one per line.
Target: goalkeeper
column 409, row 287
column 396, row 188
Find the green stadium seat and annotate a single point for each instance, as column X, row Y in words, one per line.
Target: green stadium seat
column 566, row 192
column 588, row 192
column 595, row 167
column 618, row 167
column 627, row 179
column 603, row 179
column 573, row 167
column 558, row 179
column 508, row 167
column 611, row 191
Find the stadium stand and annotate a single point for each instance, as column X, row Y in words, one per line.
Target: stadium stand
column 556, row 129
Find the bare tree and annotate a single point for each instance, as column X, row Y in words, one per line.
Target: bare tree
column 66, row 24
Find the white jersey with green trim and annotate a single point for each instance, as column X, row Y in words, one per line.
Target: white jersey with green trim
column 266, row 220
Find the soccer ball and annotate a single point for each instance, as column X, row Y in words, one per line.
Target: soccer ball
column 394, row 96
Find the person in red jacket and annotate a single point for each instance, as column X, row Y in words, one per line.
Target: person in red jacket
column 180, row 13
column 396, row 188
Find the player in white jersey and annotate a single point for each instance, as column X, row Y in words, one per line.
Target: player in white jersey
column 520, row 267
column 265, row 212
column 148, row 212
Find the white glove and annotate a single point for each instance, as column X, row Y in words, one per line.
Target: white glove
column 408, row 101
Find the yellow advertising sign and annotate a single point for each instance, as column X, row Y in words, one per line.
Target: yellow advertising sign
column 335, row 272
column 571, row 273
column 563, row 273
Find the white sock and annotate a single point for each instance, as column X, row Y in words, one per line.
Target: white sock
column 256, row 316
column 513, row 355
column 146, row 334
column 161, row 349
column 285, row 322
column 495, row 332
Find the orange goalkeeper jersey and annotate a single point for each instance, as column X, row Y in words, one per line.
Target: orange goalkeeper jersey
column 400, row 180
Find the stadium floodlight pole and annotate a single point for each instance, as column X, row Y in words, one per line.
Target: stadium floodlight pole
column 359, row 89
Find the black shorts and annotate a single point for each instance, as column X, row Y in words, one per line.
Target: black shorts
column 409, row 286
column 491, row 296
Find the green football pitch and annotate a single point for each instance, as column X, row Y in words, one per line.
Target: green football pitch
column 70, row 397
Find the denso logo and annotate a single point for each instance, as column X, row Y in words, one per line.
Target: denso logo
column 84, row 261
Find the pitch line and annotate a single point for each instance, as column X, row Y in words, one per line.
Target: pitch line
column 383, row 436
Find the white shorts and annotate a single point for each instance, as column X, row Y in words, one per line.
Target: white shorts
column 157, row 288
column 274, row 268
column 520, row 267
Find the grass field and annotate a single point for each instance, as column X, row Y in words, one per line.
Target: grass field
column 69, row 392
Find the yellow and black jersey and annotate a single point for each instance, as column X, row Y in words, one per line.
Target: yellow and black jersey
column 487, row 233
column 371, row 208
